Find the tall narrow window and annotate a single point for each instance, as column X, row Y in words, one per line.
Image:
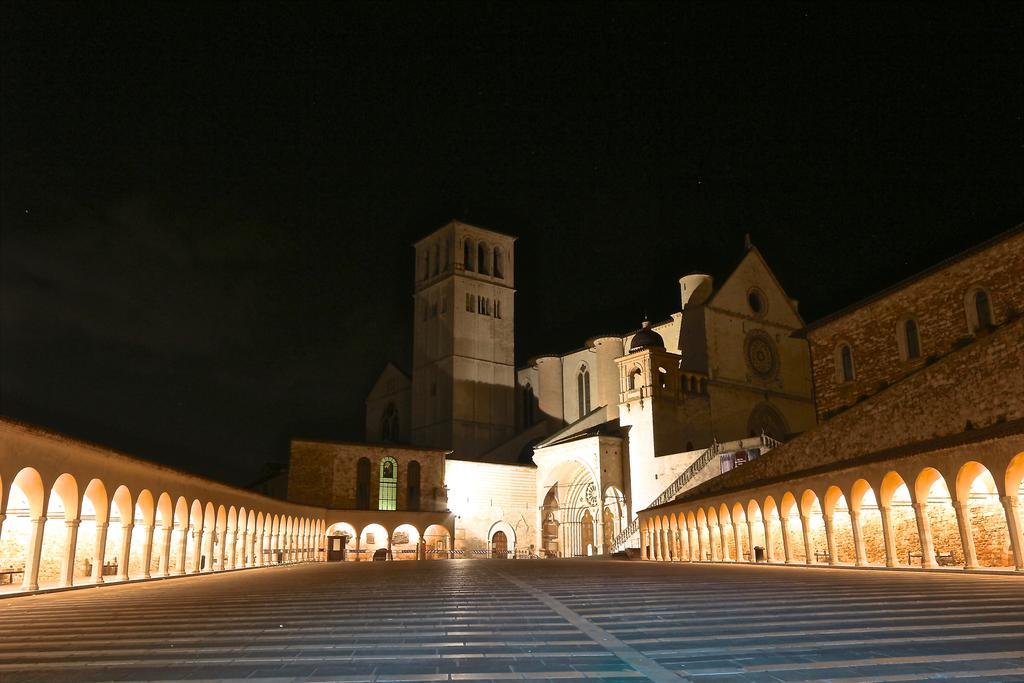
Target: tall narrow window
column 913, row 341
column 467, row 254
column 388, row 493
column 437, row 258
column 583, row 390
column 845, row 363
column 499, row 267
column 497, row 308
column 389, row 424
column 363, row 484
column 633, row 381
column 447, row 254
column 426, row 264
column 482, row 259
column 413, row 486
column 983, row 309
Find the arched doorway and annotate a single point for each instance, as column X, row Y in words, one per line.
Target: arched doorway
column 499, row 545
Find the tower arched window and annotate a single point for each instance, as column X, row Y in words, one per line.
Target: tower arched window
column 844, row 363
column 389, row 423
column 413, row 486
column 387, row 497
column 467, row 254
column 528, row 399
column 583, row 390
column 482, row 258
column 911, row 339
column 363, row 484
column 499, row 267
column 633, row 381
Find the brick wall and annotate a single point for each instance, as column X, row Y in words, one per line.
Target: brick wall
column 936, row 301
column 981, row 383
column 324, row 473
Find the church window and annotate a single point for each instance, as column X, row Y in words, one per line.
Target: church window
column 633, row 382
column 469, row 302
column 497, row 308
column 447, row 254
column 437, row 258
column 844, row 364
column 389, row 423
column 911, row 339
column 426, row 263
column 499, row 267
column 363, row 484
column 982, row 309
column 387, row 498
column 482, row 259
column 528, row 399
column 583, row 390
column 467, row 254
column 756, row 301
column 413, row 486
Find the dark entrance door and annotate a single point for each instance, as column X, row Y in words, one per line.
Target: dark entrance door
column 499, row 545
column 336, row 548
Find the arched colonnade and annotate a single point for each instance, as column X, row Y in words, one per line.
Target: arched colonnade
column 940, row 509
column 73, row 514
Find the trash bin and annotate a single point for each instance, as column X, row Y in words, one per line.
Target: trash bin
column 758, row 554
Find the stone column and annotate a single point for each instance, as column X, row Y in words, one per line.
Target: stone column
column 643, row 545
column 222, row 547
column 165, row 553
column 924, row 532
column 101, row 548
column 859, row 553
column 737, row 534
column 805, row 527
column 890, row 540
column 769, row 547
column 197, row 549
column 67, row 568
column 182, row 545
column 963, row 523
column 147, row 550
column 232, row 548
column 750, row 539
column 1013, row 525
column 2, row 518
column 830, row 538
column 35, row 550
column 126, row 549
column 208, row 547
column 723, row 532
column 784, row 526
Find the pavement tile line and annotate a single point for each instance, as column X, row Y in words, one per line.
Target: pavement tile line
column 629, row 655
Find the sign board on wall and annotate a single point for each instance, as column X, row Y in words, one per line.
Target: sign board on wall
column 734, row 459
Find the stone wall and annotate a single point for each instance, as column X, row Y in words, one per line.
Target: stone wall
column 325, row 472
column 935, row 301
column 483, row 495
column 980, row 384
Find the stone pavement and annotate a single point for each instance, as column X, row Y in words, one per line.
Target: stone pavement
column 523, row 619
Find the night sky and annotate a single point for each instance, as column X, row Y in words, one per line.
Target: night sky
column 207, row 213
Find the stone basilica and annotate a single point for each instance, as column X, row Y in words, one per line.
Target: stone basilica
column 557, row 456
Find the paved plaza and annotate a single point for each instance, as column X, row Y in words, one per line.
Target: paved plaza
column 515, row 619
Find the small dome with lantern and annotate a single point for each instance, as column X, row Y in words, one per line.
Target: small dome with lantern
column 646, row 338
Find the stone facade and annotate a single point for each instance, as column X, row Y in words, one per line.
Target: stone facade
column 325, row 473
column 919, row 459
column 940, row 302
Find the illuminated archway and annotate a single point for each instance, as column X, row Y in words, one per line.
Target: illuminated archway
column 933, row 496
column 895, row 496
column 977, row 489
column 405, row 542
column 437, row 541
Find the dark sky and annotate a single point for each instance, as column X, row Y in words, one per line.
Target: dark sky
column 207, row 211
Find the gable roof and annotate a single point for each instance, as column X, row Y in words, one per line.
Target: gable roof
column 753, row 252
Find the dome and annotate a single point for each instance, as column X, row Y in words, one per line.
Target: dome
column 646, row 338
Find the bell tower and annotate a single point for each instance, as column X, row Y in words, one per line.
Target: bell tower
column 463, row 374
